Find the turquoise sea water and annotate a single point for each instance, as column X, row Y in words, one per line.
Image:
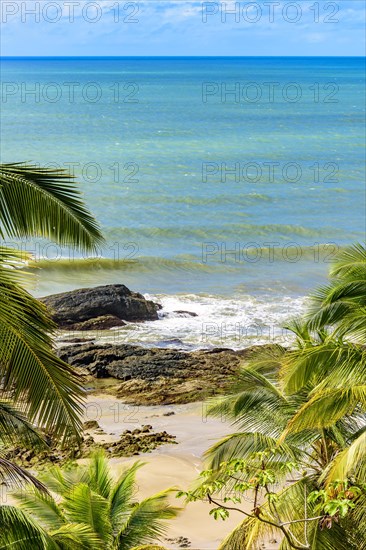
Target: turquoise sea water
column 186, row 159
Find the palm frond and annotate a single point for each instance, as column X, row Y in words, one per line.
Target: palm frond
column 259, row 404
column 337, row 304
column 40, row 506
column 350, row 462
column 327, row 407
column 46, row 203
column 121, row 496
column 248, row 535
column 15, row 428
column 244, row 445
column 82, row 505
column 99, row 478
column 348, row 261
column 73, row 536
column 146, row 522
column 20, row 532
column 14, row 475
column 46, row 388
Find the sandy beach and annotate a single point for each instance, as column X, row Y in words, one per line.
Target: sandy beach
column 169, row 463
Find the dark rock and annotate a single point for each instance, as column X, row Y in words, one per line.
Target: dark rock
column 146, row 428
column 174, row 343
column 182, row 313
column 181, row 542
column 142, row 440
column 159, row 376
column 91, row 425
column 99, row 307
column 139, row 441
column 71, row 340
column 102, row 322
column 179, row 313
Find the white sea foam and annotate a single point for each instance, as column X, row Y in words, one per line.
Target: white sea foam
column 220, row 322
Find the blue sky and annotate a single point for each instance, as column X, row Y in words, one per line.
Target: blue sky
column 180, row 27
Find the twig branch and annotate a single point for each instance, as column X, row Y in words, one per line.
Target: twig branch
column 281, row 527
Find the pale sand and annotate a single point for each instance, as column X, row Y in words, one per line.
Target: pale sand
column 170, row 465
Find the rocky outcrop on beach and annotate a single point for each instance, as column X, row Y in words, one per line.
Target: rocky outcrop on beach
column 130, row 443
column 138, row 441
column 155, row 375
column 101, row 307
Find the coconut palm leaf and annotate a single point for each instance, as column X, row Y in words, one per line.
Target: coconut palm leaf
column 11, row 474
column 252, row 533
column 44, row 202
column 349, row 262
column 19, row 531
column 41, row 506
column 121, row 496
column 327, row 407
column 82, row 505
column 38, row 202
column 15, row 428
column 350, row 462
column 309, row 366
column 99, row 476
column 73, row 536
column 338, row 304
column 47, row 389
column 290, row 506
column 61, row 481
column 244, row 445
column 258, row 403
column 248, row 535
column 85, row 518
column 146, row 522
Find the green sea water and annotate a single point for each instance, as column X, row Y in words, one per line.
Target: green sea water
column 212, row 178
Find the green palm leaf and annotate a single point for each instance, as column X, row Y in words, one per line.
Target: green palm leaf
column 349, row 261
column 146, row 521
column 244, row 445
column 99, row 477
column 73, row 536
column 84, row 506
column 19, row 531
column 41, row 506
column 121, row 496
column 350, row 462
column 327, row 407
column 46, row 203
column 338, row 304
column 47, row 389
column 15, row 428
column 10, row 472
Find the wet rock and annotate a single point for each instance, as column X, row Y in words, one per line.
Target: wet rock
column 71, row 340
column 99, row 307
column 155, row 375
column 91, row 425
column 179, row 313
column 181, row 542
column 182, row 313
column 141, row 440
column 159, row 376
column 103, row 322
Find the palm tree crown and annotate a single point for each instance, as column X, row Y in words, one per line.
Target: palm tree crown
column 92, row 510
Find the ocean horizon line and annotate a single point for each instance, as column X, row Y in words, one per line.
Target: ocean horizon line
column 5, row 57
